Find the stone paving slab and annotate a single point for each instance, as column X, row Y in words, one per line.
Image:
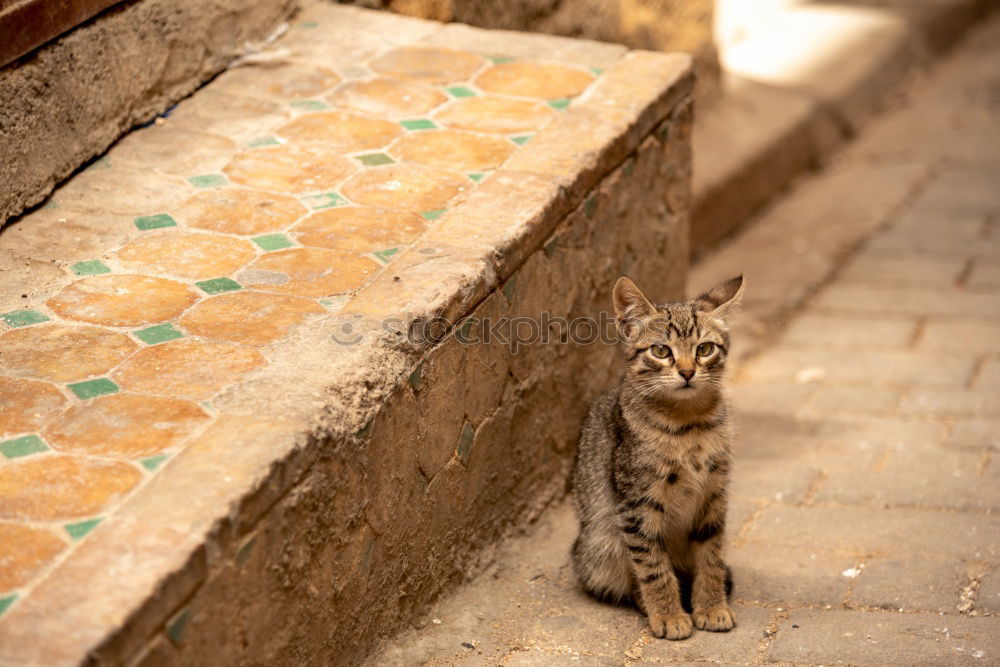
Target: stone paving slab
column 167, row 370
column 854, row 637
column 863, row 515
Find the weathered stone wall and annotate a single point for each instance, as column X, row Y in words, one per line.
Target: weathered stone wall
column 66, row 102
column 661, row 25
column 473, row 442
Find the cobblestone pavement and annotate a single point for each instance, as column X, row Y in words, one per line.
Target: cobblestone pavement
column 863, row 520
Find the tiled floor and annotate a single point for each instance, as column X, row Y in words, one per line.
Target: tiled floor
column 159, row 275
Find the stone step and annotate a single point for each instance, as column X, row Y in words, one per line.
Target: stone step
column 257, row 406
column 800, row 80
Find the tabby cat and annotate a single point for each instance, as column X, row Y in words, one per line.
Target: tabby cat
column 650, row 477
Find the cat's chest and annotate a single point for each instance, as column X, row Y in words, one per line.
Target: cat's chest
column 679, row 474
column 688, row 455
column 680, row 486
column 676, row 471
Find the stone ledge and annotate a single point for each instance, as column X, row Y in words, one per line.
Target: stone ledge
column 338, row 478
column 69, row 100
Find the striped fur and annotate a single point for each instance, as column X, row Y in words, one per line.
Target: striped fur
column 651, row 472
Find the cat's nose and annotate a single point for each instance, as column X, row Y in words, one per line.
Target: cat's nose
column 686, row 374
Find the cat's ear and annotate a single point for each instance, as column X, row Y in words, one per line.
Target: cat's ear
column 722, row 299
column 630, row 304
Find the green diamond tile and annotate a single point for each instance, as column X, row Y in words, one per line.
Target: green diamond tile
column 175, row 628
column 272, row 242
column 499, row 60
column 81, row 528
column 26, row 445
column 51, row 203
column 145, row 222
column 309, row 105
column 464, row 447
column 374, row 159
column 509, row 288
column 100, row 163
column 208, row 180
column 433, row 215
column 245, row 550
column 522, row 139
column 306, row 25
column 335, row 301
column 24, row 317
column 263, row 141
column 325, row 200
column 356, row 72
column 153, row 462
column 550, row 247
column 460, row 91
column 416, row 378
column 477, row 176
column 91, row 267
column 159, row 333
column 93, row 388
column 597, row 70
column 418, row 124
column 218, row 285
column 6, row 601
column 462, row 335
column 560, row 103
column 384, row 255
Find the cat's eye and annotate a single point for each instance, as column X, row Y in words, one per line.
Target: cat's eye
column 660, row 351
column 706, row 349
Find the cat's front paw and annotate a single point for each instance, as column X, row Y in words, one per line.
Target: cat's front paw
column 671, row 626
column 717, row 618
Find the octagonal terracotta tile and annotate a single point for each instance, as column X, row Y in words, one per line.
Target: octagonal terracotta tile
column 20, row 275
column 290, row 80
column 217, row 112
column 59, row 487
column 453, row 149
column 387, row 97
column 491, row 113
column 249, row 317
column 239, row 211
column 123, row 425
column 62, row 352
column 359, row 229
column 315, row 272
column 122, row 300
column 24, row 551
column 193, row 369
column 527, row 79
column 291, row 168
column 404, row 186
column 187, row 254
column 121, row 192
column 341, row 131
column 430, row 65
column 55, row 235
column 155, row 147
column 26, row 405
